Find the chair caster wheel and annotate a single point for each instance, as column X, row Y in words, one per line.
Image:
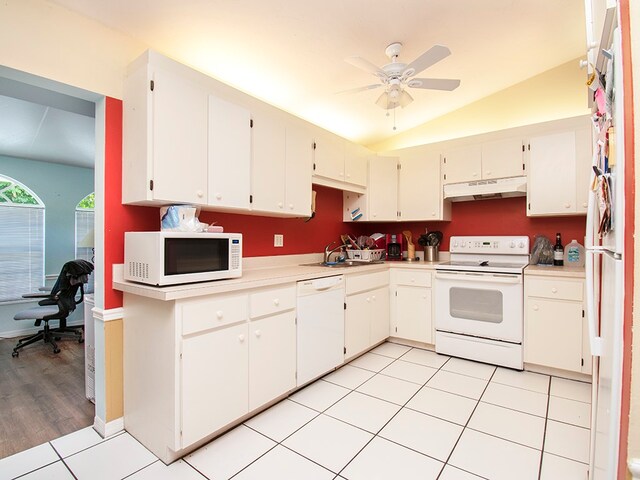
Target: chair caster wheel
column 56, row 350
column 57, row 339
column 15, row 354
column 81, row 340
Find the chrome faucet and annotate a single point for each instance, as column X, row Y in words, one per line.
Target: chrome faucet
column 327, row 252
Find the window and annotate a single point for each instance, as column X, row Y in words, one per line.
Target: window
column 21, row 240
column 84, row 241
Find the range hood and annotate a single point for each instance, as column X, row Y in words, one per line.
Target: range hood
column 486, row 189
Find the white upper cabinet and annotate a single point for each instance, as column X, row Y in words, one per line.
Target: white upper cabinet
column 268, row 164
column 462, row 164
column 281, row 167
column 383, row 189
column 328, row 157
column 419, row 188
column 355, row 164
column 164, row 138
column 502, row 158
column 229, row 154
column 483, row 161
column 298, row 171
column 339, row 163
column 558, row 179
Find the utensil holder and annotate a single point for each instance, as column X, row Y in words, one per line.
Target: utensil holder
column 431, row 253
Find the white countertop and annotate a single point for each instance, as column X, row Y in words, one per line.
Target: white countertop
column 260, row 272
column 550, row 270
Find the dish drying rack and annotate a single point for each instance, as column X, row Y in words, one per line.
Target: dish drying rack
column 365, row 255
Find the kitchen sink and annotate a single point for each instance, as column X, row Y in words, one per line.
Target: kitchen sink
column 345, row 264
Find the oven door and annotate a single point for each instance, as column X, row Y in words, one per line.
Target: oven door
column 479, row 304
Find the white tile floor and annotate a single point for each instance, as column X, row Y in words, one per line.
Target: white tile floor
column 394, row 413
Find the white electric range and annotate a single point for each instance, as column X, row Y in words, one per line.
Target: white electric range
column 479, row 297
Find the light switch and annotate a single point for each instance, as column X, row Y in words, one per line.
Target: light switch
column 278, row 240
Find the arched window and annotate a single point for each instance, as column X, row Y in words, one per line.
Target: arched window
column 84, row 227
column 21, row 240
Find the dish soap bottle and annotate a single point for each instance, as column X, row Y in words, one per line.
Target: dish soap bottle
column 574, row 254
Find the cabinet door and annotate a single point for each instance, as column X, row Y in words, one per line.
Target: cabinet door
column 357, row 334
column 179, row 138
column 268, row 164
column 299, row 159
column 412, row 313
column 551, row 188
column 553, row 333
column 328, row 157
column 419, row 189
column 462, row 164
column 383, row 189
column 272, row 358
column 379, row 306
column 502, row 158
column 229, row 154
column 215, row 383
column 584, row 160
column 355, row 164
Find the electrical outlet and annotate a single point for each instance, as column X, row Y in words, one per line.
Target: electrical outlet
column 278, row 240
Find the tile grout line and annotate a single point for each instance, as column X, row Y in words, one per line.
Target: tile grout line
column 546, row 422
column 388, row 421
column 469, row 419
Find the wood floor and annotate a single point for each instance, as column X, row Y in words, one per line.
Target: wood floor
column 42, row 394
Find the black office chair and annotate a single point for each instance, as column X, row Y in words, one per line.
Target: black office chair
column 57, row 305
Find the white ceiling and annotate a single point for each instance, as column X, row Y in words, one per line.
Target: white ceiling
column 291, row 53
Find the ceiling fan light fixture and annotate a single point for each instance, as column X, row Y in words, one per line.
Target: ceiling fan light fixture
column 405, row 99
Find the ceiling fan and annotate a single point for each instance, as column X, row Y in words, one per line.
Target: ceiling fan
column 395, row 76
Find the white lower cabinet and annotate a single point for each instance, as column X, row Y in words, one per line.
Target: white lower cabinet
column 411, row 307
column 366, row 320
column 272, row 357
column 214, row 388
column 555, row 323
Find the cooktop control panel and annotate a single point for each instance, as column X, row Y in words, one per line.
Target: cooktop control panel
column 505, row 245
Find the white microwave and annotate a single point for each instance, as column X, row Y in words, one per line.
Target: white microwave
column 172, row 258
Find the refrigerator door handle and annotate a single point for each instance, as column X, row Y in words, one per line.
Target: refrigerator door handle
column 605, row 251
column 592, row 320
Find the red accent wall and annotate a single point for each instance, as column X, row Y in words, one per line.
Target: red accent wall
column 505, row 216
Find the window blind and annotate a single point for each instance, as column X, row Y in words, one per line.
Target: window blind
column 21, row 251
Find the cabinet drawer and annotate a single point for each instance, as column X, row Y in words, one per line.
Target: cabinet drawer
column 273, row 300
column 411, row 277
column 367, row 281
column 212, row 312
column 552, row 288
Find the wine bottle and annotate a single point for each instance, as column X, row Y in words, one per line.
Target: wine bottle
column 558, row 252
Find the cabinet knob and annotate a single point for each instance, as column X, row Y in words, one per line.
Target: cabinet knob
column 368, row 299
column 258, row 333
column 536, row 308
column 218, row 196
column 373, row 298
column 291, row 206
column 276, row 301
column 413, row 280
column 488, row 172
column 554, row 290
column 200, row 193
column 341, row 174
column 474, row 174
column 584, row 205
column 280, row 205
column 348, row 175
column 567, row 205
column 241, row 338
column 219, row 314
column 433, row 214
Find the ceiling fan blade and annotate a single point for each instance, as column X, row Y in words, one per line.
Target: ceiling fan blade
column 434, row 83
column 366, row 65
column 428, row 58
column 360, row 89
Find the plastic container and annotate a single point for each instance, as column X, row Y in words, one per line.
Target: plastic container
column 574, row 254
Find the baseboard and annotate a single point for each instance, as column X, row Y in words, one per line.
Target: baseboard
column 634, row 468
column 109, row 428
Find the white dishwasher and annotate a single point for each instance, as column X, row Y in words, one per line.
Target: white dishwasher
column 320, row 332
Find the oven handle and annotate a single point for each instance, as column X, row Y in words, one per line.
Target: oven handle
column 480, row 277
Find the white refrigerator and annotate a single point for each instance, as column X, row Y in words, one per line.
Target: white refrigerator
column 605, row 292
